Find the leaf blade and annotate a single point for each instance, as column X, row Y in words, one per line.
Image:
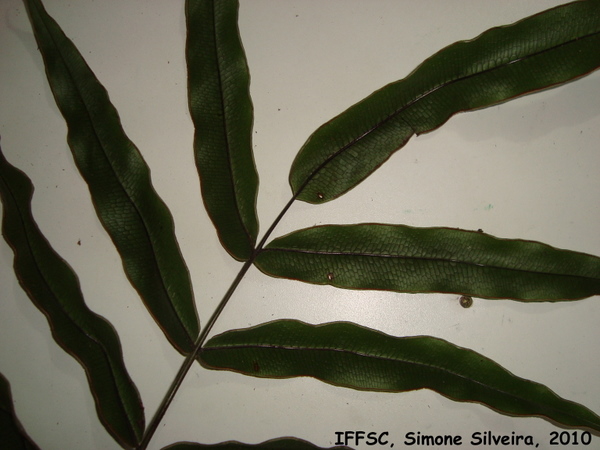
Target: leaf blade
column 286, row 443
column 12, row 434
column 407, row 259
column 538, row 52
column 137, row 220
column 222, row 113
column 348, row 355
column 54, row 289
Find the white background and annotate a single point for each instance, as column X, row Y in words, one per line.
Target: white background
column 525, row 169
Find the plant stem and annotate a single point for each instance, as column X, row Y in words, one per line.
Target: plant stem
column 190, row 358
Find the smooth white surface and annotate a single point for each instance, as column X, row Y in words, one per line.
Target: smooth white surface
column 525, row 169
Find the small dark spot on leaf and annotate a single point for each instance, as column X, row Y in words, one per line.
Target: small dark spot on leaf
column 320, row 195
column 480, row 230
column 330, row 276
column 466, row 301
column 255, row 366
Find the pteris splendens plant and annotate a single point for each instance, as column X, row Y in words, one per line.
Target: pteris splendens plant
column 544, row 50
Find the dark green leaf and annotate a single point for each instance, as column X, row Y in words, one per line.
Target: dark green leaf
column 406, row 259
column 280, row 443
column 220, row 105
column 135, row 217
column 345, row 354
column 12, row 434
column 54, row 288
column 538, row 52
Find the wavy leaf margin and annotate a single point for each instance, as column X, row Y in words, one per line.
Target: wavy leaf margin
column 222, row 113
column 407, row 259
column 135, row 217
column 348, row 355
column 538, row 52
column 54, row 289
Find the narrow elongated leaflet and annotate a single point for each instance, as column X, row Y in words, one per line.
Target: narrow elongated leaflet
column 347, row 355
column 12, row 434
column 54, row 289
column 543, row 50
column 406, row 259
column 221, row 109
column 280, row 443
column 133, row 214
